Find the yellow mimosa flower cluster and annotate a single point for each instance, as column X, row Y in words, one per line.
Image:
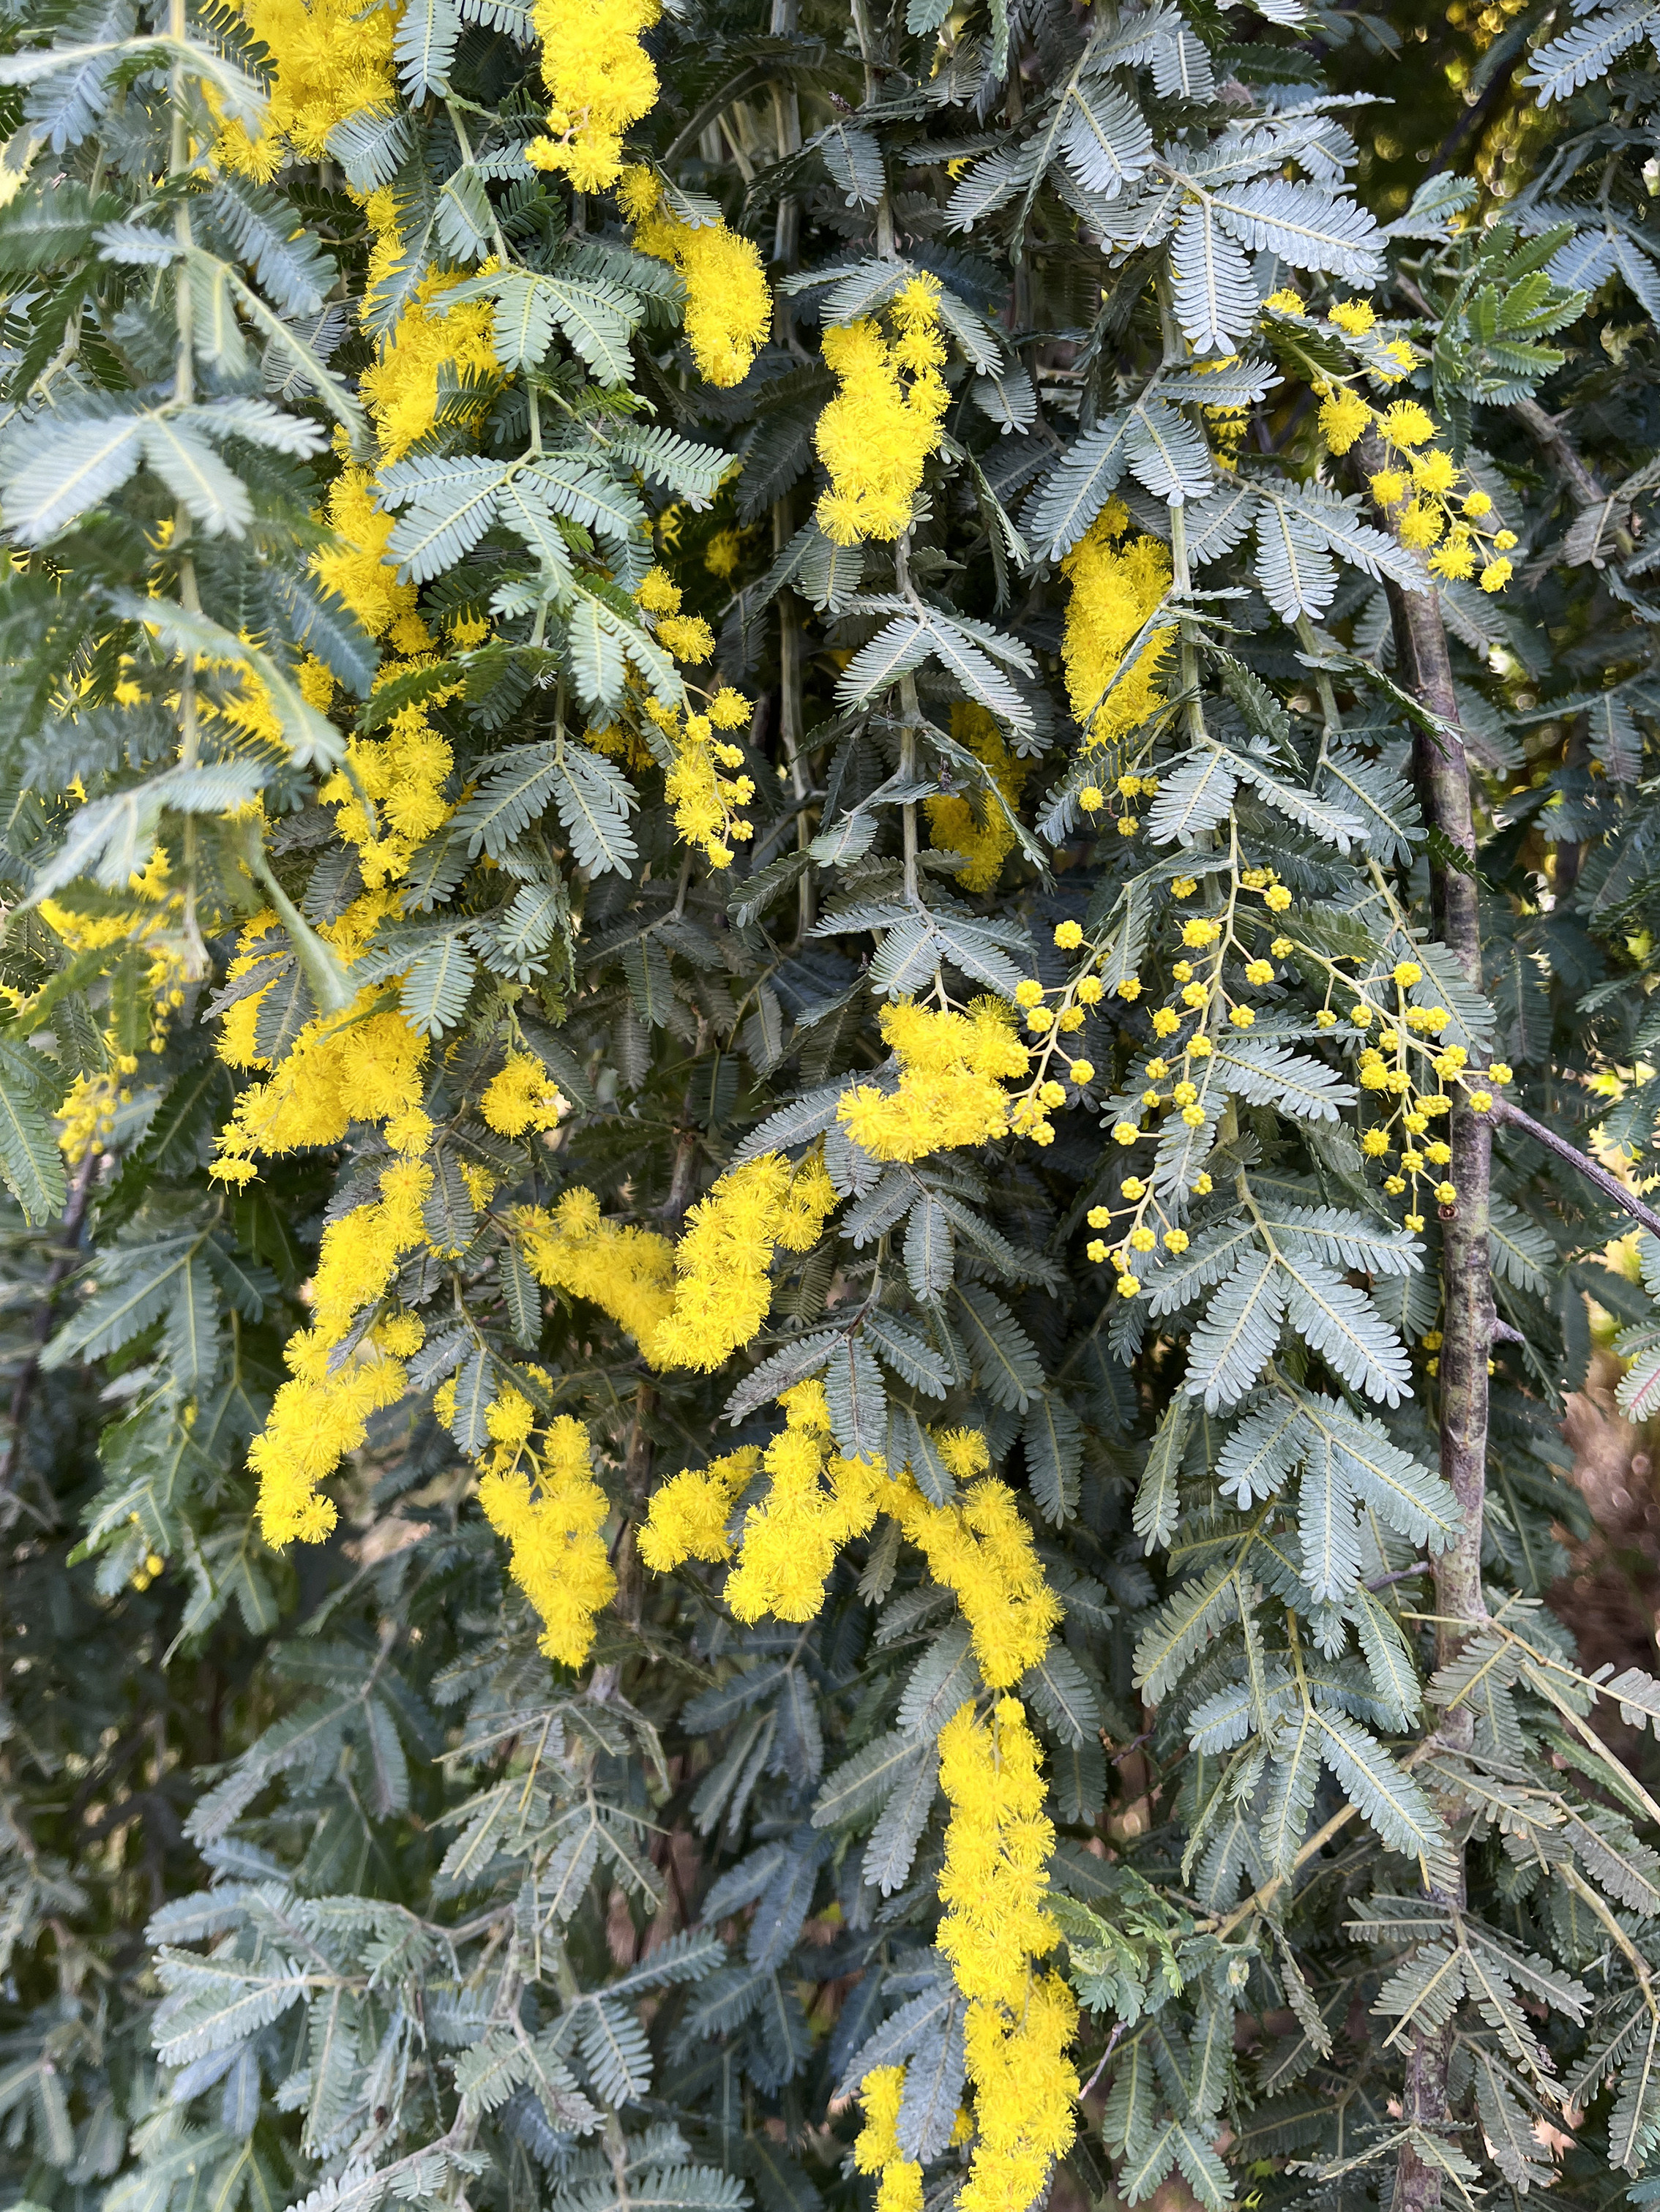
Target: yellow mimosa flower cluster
column 977, row 828
column 690, row 1513
column 877, row 432
column 876, row 2150
column 1435, row 509
column 356, row 569
column 401, row 385
column 390, row 795
column 949, row 1091
column 728, row 310
column 689, row 1306
column 980, row 1549
column 329, row 60
column 1020, row 2023
column 722, row 1287
column 317, row 1418
column 706, row 800
column 521, row 1097
column 546, row 1506
column 1114, row 589
column 358, row 1065
column 817, row 1501
column 600, row 80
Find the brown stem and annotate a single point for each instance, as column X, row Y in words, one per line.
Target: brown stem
column 24, row 1389
column 1442, row 775
column 1550, row 437
column 1506, row 1109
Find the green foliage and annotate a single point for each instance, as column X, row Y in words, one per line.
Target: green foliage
column 321, row 1885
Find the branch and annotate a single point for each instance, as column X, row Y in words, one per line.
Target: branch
column 1504, row 1110
column 1441, row 773
column 1550, row 437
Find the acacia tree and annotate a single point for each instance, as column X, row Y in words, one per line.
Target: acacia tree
column 830, row 907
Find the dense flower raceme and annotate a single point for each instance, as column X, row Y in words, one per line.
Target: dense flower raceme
column 1116, row 588
column 979, row 827
column 543, row 1501
column 600, row 80
column 875, row 436
column 328, row 61
column 1020, row 2021
column 1019, row 2024
column 688, row 1304
column 729, row 308
column 950, row 1089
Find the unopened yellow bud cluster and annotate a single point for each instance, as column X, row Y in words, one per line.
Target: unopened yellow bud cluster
column 876, row 435
column 1175, row 1077
column 1404, row 1066
column 86, row 1116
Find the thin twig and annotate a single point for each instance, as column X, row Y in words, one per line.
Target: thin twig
column 1112, row 2046
column 1506, row 1109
